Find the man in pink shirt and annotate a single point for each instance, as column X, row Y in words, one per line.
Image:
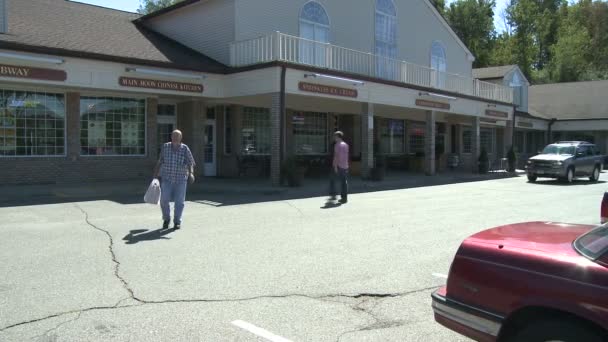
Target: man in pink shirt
column 339, row 168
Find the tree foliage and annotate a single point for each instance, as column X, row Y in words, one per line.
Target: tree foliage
column 473, row 21
column 149, row 6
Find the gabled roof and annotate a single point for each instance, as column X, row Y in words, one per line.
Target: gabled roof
column 74, row 29
column 177, row 5
column 491, row 73
column 568, row 101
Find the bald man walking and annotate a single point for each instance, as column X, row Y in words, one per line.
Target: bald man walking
column 176, row 169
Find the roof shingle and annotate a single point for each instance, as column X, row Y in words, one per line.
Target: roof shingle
column 563, row 101
column 492, row 72
column 75, row 29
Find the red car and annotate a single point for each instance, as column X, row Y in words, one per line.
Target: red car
column 529, row 282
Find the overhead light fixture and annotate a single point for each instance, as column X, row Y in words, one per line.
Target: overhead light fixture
column 166, row 73
column 451, row 98
column 30, row 58
column 354, row 82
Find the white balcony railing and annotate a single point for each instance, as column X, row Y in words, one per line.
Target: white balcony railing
column 287, row 48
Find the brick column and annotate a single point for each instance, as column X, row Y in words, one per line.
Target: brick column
column 275, row 138
column 72, row 122
column 151, row 128
column 367, row 139
column 429, row 143
column 475, row 143
column 508, row 138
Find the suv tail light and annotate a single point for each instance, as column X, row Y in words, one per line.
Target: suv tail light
column 604, row 210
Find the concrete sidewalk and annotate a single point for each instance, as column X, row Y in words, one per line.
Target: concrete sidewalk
column 312, row 187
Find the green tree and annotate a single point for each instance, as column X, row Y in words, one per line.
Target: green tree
column 570, row 54
column 473, row 22
column 440, row 5
column 149, row 6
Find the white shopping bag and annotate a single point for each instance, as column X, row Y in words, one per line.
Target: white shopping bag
column 152, row 196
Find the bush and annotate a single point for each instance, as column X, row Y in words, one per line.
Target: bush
column 484, row 161
column 511, row 160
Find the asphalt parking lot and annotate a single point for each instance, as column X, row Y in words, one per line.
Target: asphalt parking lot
column 282, row 270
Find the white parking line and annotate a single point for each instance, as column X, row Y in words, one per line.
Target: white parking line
column 259, row 331
column 439, row 275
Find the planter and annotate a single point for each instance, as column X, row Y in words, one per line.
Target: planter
column 483, row 167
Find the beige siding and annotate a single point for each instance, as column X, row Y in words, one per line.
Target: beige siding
column 352, row 26
column 207, row 27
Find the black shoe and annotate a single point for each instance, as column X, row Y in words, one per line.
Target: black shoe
column 343, row 200
column 177, row 226
column 165, row 224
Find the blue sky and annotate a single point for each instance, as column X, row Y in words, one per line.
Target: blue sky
column 133, row 5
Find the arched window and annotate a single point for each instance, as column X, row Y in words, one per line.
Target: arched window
column 386, row 37
column 438, row 64
column 314, row 27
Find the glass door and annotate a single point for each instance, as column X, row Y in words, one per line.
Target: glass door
column 210, row 163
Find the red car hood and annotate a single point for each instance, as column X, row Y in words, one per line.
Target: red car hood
column 548, row 237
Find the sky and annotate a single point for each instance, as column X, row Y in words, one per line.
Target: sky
column 133, row 5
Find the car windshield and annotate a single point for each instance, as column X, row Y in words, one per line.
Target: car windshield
column 594, row 243
column 557, row 149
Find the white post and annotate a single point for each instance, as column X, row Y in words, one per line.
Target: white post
column 276, row 46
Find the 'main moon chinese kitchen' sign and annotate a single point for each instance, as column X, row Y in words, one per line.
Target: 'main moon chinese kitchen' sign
column 162, row 85
column 328, row 90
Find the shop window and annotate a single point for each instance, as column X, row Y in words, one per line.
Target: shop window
column 31, row 123
column 227, row 130
column 392, row 136
column 487, row 139
column 416, row 138
column 310, row 133
column 166, row 110
column 167, row 122
column 112, row 126
column 467, row 140
column 255, row 134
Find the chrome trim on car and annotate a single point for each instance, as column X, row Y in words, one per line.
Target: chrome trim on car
column 467, row 319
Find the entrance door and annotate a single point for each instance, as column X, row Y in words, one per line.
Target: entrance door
column 210, row 163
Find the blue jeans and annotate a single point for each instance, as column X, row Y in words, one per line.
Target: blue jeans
column 342, row 175
column 172, row 192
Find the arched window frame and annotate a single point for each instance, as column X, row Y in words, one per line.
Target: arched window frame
column 435, row 47
column 385, row 37
column 314, row 25
column 322, row 21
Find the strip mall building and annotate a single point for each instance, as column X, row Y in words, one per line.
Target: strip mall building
column 89, row 93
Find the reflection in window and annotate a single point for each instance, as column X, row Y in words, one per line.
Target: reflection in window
column 31, row 123
column 112, row 126
column 314, row 27
column 467, row 140
column 386, row 38
column 438, row 64
column 255, row 133
column 416, row 138
column 310, row 133
column 392, row 136
column 487, row 139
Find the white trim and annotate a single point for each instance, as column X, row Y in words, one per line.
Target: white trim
column 470, row 55
column 30, row 58
column 165, row 73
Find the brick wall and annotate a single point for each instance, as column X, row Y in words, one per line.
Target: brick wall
column 74, row 168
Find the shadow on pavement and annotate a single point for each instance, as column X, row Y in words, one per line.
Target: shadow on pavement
column 331, row 205
column 140, row 235
column 224, row 192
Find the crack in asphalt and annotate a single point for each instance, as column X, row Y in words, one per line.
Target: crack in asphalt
column 125, row 284
column 141, row 302
column 46, row 333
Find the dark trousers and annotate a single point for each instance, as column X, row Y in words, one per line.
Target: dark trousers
column 342, row 176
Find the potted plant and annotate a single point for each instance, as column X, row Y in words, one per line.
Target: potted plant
column 439, row 151
column 292, row 172
column 483, row 161
column 511, row 160
column 379, row 169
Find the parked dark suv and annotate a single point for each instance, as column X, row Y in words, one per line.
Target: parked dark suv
column 565, row 161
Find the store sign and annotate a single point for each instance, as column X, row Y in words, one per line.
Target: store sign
column 525, row 124
column 32, row 73
column 489, row 121
column 328, row 90
column 432, row 104
column 497, row 113
column 161, row 85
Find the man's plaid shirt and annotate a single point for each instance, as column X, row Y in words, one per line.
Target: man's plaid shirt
column 175, row 163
